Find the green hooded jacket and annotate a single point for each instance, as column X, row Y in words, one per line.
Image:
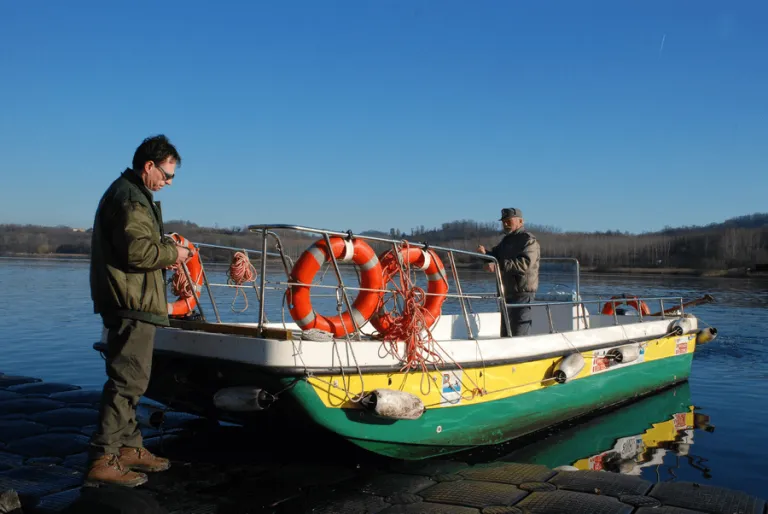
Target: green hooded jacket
column 129, row 253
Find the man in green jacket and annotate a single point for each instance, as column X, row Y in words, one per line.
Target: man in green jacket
column 128, row 256
column 518, row 254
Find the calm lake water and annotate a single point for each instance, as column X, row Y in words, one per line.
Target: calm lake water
column 47, row 330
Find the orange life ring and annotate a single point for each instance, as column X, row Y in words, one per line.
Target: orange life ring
column 632, row 301
column 437, row 284
column 184, row 305
column 305, row 269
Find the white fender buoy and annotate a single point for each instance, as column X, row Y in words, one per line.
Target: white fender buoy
column 392, row 404
column 626, row 353
column 705, row 335
column 568, row 367
column 681, row 326
column 242, row 399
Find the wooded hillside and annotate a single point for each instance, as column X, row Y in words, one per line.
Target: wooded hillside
column 735, row 243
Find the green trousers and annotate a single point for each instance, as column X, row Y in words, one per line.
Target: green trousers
column 128, row 365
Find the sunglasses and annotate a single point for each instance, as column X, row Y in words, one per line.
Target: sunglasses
column 167, row 175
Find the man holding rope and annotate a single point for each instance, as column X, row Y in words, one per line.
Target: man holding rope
column 128, row 256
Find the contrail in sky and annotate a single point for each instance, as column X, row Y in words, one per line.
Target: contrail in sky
column 663, row 38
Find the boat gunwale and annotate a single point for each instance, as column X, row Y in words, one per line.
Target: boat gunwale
column 397, row 369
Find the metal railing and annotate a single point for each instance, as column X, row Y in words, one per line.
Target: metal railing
column 267, row 232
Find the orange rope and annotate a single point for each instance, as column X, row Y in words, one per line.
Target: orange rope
column 180, row 284
column 240, row 271
column 410, row 325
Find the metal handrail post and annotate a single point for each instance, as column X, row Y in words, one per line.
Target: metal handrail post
column 208, row 288
column 192, row 287
column 263, row 275
column 502, row 297
column 551, row 323
column 341, row 284
column 279, row 243
column 461, row 294
column 255, row 287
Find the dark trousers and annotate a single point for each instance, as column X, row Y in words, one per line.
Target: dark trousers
column 128, row 364
column 519, row 317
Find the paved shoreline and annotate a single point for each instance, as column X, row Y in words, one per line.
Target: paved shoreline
column 44, row 429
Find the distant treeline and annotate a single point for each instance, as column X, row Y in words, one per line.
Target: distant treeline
column 736, row 243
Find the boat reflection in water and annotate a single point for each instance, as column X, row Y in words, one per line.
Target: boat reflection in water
column 655, row 434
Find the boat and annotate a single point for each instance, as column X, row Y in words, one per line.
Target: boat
column 399, row 360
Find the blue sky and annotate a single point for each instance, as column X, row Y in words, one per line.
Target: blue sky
column 390, row 113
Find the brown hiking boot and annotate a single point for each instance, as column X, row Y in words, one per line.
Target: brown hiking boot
column 142, row 460
column 107, row 470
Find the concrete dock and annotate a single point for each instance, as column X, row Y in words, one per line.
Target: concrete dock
column 44, row 431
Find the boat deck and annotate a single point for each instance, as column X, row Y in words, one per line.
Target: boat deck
column 44, row 429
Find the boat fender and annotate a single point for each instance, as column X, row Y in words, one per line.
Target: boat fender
column 626, row 353
column 242, row 399
column 391, row 404
column 706, row 335
column 568, row 367
column 681, row 326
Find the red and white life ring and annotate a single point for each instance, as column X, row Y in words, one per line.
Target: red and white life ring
column 437, row 284
column 305, row 269
column 632, row 301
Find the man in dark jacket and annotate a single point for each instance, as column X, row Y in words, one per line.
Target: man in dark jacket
column 128, row 256
column 518, row 255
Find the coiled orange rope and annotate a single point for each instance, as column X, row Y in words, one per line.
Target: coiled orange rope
column 410, row 326
column 180, row 284
column 240, row 272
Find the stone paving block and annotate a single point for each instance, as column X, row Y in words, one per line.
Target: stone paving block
column 44, row 388
column 90, row 396
column 384, row 484
column 49, row 445
column 352, row 504
column 8, row 395
column 570, row 502
column 508, row 473
column 707, row 498
column 429, row 508
column 13, row 429
column 666, row 510
column 67, row 417
column 12, row 380
column 10, row 460
column 57, row 502
column 602, row 482
column 470, row 493
column 28, row 406
column 427, row 468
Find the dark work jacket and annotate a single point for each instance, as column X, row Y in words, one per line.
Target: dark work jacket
column 518, row 254
column 129, row 253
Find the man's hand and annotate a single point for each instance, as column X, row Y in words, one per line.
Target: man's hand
column 490, row 267
column 480, row 249
column 182, row 254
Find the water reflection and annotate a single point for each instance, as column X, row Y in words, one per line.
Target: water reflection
column 652, row 438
